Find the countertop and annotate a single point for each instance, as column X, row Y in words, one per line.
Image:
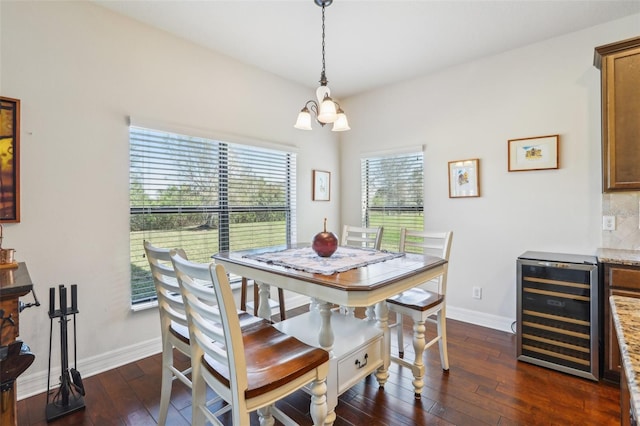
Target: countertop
column 15, row 282
column 619, row 256
column 626, row 317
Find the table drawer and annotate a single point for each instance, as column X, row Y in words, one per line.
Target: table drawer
column 358, row 364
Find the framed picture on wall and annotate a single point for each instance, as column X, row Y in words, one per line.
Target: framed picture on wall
column 9, row 160
column 536, row 153
column 464, row 178
column 321, row 185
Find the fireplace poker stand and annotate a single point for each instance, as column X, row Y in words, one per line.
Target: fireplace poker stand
column 69, row 396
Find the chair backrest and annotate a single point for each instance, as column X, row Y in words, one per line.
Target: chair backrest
column 432, row 243
column 170, row 302
column 356, row 236
column 214, row 333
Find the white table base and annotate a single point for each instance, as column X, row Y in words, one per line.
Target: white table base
column 356, row 348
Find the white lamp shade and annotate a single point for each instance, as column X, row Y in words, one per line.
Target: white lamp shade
column 322, row 92
column 327, row 112
column 304, row 120
column 341, row 124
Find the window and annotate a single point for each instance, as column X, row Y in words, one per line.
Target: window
column 392, row 194
column 205, row 196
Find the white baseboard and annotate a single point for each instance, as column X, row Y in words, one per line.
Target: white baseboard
column 36, row 383
column 479, row 318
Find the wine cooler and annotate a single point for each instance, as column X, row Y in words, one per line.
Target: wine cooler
column 557, row 325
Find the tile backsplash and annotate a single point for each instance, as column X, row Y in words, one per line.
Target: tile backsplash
column 625, row 206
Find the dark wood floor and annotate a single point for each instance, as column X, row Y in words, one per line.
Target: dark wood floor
column 485, row 385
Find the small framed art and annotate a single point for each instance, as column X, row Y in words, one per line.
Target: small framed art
column 536, row 153
column 321, row 185
column 464, row 178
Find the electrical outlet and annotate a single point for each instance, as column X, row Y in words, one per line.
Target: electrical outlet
column 477, row 292
column 608, row 223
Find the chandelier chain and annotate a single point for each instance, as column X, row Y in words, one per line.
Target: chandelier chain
column 323, row 63
column 325, row 109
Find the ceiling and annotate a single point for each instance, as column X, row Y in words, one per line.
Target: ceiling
column 371, row 43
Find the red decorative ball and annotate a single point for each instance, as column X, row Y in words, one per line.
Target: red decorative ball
column 325, row 243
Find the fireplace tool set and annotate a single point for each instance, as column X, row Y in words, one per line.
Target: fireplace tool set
column 69, row 396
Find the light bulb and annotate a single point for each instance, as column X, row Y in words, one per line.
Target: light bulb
column 327, row 112
column 341, row 124
column 304, row 120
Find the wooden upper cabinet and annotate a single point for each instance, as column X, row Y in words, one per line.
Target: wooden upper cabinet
column 620, row 68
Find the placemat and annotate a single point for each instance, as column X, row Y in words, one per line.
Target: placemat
column 305, row 259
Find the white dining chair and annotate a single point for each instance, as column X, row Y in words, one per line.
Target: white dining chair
column 357, row 236
column 421, row 302
column 174, row 329
column 363, row 237
column 250, row 367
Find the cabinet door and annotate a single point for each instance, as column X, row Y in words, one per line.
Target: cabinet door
column 622, row 281
column 621, row 127
column 612, row 350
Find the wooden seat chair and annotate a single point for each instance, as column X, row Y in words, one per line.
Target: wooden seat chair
column 356, row 236
column 174, row 328
column 250, row 367
column 421, row 302
column 173, row 322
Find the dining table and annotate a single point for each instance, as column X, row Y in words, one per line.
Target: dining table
column 351, row 277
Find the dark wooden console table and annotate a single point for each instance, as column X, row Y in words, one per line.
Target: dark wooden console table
column 14, row 283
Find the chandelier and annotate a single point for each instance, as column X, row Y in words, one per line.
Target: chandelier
column 325, row 109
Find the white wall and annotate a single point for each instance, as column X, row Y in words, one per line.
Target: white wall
column 470, row 111
column 80, row 71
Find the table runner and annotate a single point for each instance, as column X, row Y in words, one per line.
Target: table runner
column 305, row 259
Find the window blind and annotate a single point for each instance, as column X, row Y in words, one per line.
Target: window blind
column 205, row 196
column 392, row 194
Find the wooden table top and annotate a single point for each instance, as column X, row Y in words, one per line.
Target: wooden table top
column 367, row 278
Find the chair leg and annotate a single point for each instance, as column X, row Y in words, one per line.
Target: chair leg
column 198, row 396
column 243, row 295
column 347, row 311
column 442, row 332
column 419, row 344
column 281, row 302
column 318, row 408
column 400, row 335
column 256, row 298
column 167, row 380
column 371, row 313
column 265, row 416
